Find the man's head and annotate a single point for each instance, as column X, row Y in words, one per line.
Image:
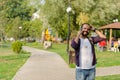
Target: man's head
column 85, row 28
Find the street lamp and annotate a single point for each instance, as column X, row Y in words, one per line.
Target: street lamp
column 115, row 20
column 20, row 27
column 69, row 9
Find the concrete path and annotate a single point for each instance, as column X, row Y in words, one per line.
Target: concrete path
column 43, row 65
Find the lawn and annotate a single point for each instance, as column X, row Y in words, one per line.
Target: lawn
column 4, row 50
column 10, row 62
column 107, row 58
column 112, row 77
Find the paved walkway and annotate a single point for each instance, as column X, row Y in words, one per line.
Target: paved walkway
column 43, row 65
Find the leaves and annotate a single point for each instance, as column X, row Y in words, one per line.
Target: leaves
column 82, row 18
column 14, row 13
column 53, row 13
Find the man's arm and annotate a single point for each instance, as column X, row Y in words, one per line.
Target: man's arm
column 77, row 37
column 101, row 35
column 75, row 41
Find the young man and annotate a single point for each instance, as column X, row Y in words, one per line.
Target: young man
column 85, row 52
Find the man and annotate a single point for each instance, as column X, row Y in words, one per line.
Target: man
column 85, row 52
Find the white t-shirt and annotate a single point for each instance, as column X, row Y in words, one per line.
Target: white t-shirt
column 86, row 56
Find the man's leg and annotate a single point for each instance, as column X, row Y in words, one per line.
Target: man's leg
column 91, row 75
column 80, row 74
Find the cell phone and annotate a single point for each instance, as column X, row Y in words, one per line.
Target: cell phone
column 80, row 29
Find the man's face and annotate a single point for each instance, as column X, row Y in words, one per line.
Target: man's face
column 85, row 30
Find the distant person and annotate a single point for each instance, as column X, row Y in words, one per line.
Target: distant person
column 102, row 45
column 112, row 42
column 119, row 44
column 85, row 52
column 115, row 46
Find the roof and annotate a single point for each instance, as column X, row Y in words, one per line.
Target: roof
column 115, row 25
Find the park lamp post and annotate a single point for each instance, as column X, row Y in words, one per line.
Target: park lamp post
column 20, row 27
column 69, row 9
column 115, row 20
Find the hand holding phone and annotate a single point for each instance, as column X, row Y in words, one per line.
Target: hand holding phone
column 80, row 28
column 93, row 28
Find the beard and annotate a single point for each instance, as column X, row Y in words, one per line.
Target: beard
column 85, row 33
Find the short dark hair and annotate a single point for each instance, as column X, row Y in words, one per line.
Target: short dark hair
column 85, row 24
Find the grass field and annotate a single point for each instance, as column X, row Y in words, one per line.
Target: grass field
column 112, row 77
column 10, row 62
column 107, row 58
column 4, row 50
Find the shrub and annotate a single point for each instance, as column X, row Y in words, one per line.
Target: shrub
column 17, row 46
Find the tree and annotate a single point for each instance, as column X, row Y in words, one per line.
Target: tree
column 82, row 18
column 55, row 12
column 3, row 20
column 95, row 12
column 35, row 29
column 16, row 12
column 15, row 8
column 100, row 12
column 13, row 28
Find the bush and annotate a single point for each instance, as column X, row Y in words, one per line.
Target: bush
column 17, row 46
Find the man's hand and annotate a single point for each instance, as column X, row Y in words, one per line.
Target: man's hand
column 79, row 34
column 93, row 29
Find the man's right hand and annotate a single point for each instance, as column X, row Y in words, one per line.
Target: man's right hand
column 79, row 34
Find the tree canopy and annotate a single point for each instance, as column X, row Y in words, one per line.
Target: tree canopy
column 95, row 12
column 15, row 13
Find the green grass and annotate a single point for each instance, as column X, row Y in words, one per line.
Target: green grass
column 10, row 62
column 5, row 51
column 112, row 77
column 106, row 58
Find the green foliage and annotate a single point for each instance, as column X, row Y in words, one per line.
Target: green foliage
column 17, row 8
column 55, row 12
column 17, row 46
column 35, row 29
column 100, row 12
column 12, row 15
column 13, row 28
